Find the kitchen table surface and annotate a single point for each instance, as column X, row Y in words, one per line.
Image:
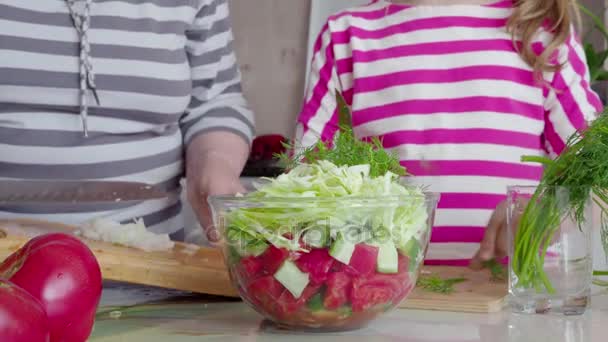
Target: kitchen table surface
column 134, row 313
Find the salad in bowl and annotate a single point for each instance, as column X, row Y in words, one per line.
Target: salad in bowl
column 331, row 244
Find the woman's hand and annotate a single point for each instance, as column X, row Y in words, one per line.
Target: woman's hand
column 214, row 164
column 494, row 243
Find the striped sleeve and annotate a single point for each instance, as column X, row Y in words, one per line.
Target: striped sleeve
column 570, row 102
column 318, row 118
column 217, row 102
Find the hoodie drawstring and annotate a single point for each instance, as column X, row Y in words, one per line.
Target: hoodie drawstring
column 80, row 11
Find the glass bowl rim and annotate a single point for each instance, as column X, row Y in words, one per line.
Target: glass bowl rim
column 426, row 196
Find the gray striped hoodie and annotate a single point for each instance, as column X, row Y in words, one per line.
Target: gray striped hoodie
column 165, row 71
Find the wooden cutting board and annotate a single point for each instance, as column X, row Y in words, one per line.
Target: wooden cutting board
column 186, row 267
column 478, row 294
column 202, row 270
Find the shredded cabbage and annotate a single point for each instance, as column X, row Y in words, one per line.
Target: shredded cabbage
column 401, row 216
column 131, row 234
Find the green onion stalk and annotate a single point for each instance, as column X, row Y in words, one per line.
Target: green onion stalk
column 568, row 183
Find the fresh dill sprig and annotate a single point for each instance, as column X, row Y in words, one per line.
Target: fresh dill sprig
column 564, row 190
column 436, row 284
column 497, row 271
column 347, row 150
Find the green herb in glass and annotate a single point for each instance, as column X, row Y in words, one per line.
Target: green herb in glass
column 582, row 170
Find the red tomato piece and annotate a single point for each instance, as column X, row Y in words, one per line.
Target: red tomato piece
column 271, row 297
column 404, row 264
column 265, row 292
column 317, row 263
column 337, row 290
column 250, row 268
column 288, row 304
column 407, row 289
column 273, row 258
column 363, row 260
column 377, row 289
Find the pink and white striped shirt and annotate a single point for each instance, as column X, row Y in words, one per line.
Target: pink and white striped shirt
column 445, row 88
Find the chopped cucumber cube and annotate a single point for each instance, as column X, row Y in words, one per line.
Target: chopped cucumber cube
column 412, row 250
column 388, row 259
column 316, row 302
column 345, row 311
column 294, row 280
column 342, row 250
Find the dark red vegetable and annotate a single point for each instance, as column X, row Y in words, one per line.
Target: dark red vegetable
column 357, row 286
column 272, row 297
column 264, row 147
column 377, row 289
column 273, row 258
column 22, row 318
column 288, row 304
column 363, row 260
column 404, row 264
column 250, row 268
column 317, row 263
column 265, row 293
column 337, row 291
column 407, row 288
column 63, row 274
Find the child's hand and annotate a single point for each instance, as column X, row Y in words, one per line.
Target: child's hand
column 494, row 243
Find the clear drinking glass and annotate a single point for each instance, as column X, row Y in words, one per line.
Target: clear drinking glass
column 550, row 251
column 600, row 243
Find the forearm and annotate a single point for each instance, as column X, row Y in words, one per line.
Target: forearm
column 218, row 147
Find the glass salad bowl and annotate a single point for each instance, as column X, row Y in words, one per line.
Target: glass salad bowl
column 326, row 264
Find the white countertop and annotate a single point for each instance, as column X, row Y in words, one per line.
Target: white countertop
column 206, row 319
column 196, row 319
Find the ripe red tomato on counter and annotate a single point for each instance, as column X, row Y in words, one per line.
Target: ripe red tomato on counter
column 265, row 146
column 62, row 273
column 22, row 318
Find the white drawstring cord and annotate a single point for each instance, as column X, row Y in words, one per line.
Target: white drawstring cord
column 82, row 22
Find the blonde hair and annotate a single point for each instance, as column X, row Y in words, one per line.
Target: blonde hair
column 530, row 16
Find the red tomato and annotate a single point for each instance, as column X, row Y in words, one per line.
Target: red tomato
column 250, row 268
column 377, row 289
column 363, row 260
column 264, row 147
column 265, row 292
column 404, row 264
column 22, row 318
column 337, row 290
column 288, row 304
column 406, row 290
column 271, row 297
column 62, row 273
column 317, row 263
column 273, row 258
